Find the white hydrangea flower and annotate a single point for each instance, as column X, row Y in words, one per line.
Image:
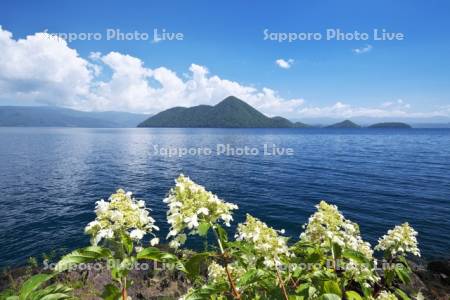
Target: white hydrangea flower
column 217, row 273
column 154, row 241
column 179, row 240
column 327, row 226
column 400, row 240
column 190, row 205
column 137, row 234
column 266, row 240
column 122, row 214
column 384, row 295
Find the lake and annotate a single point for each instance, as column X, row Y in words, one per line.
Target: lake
column 51, row 178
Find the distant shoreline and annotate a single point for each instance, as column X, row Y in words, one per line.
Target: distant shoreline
column 263, row 128
column 232, row 113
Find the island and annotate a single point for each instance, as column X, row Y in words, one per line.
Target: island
column 390, row 125
column 344, row 124
column 229, row 113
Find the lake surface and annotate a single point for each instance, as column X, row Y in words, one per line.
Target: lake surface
column 51, row 178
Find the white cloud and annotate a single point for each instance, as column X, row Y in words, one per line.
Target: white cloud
column 399, row 104
column 391, row 109
column 284, row 64
column 42, row 70
column 362, row 50
column 134, row 87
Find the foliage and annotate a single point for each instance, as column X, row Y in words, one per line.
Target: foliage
column 396, row 244
column 33, row 289
column 330, row 260
column 120, row 224
column 193, row 209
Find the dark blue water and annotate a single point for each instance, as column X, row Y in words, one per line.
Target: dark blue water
column 51, row 178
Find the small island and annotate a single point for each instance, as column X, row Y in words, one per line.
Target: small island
column 344, row 124
column 390, row 125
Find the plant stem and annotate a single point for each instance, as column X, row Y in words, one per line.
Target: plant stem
column 234, row 290
column 124, row 289
column 283, row 288
column 294, row 282
column 333, row 255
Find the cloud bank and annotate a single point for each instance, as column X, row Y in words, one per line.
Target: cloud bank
column 45, row 70
column 40, row 69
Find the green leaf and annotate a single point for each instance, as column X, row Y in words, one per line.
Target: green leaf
column 355, row 256
column 403, row 260
column 153, row 253
column 330, row 297
column 250, row 277
column 203, row 228
column 337, row 250
column 6, row 293
column 352, row 295
column 313, row 257
column 223, row 235
column 32, row 284
column 332, row 287
column 367, row 291
column 127, row 263
column 79, row 256
column 389, row 276
column 52, row 292
column 303, row 289
column 402, row 274
column 208, row 292
column 402, row 294
column 56, row 296
column 193, row 264
column 127, row 243
column 111, row 292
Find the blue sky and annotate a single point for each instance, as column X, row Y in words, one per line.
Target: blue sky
column 409, row 76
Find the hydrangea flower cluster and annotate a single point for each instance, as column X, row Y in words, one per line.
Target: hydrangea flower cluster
column 384, row 295
column 122, row 214
column 217, row 273
column 327, row 226
column 400, row 240
column 190, row 205
column 266, row 240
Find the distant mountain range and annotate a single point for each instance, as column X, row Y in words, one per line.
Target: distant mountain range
column 229, row 113
column 43, row 116
column 235, row 113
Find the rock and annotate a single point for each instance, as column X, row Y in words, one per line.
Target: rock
column 440, row 266
column 431, row 279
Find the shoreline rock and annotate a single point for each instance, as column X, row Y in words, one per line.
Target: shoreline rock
column 430, row 278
